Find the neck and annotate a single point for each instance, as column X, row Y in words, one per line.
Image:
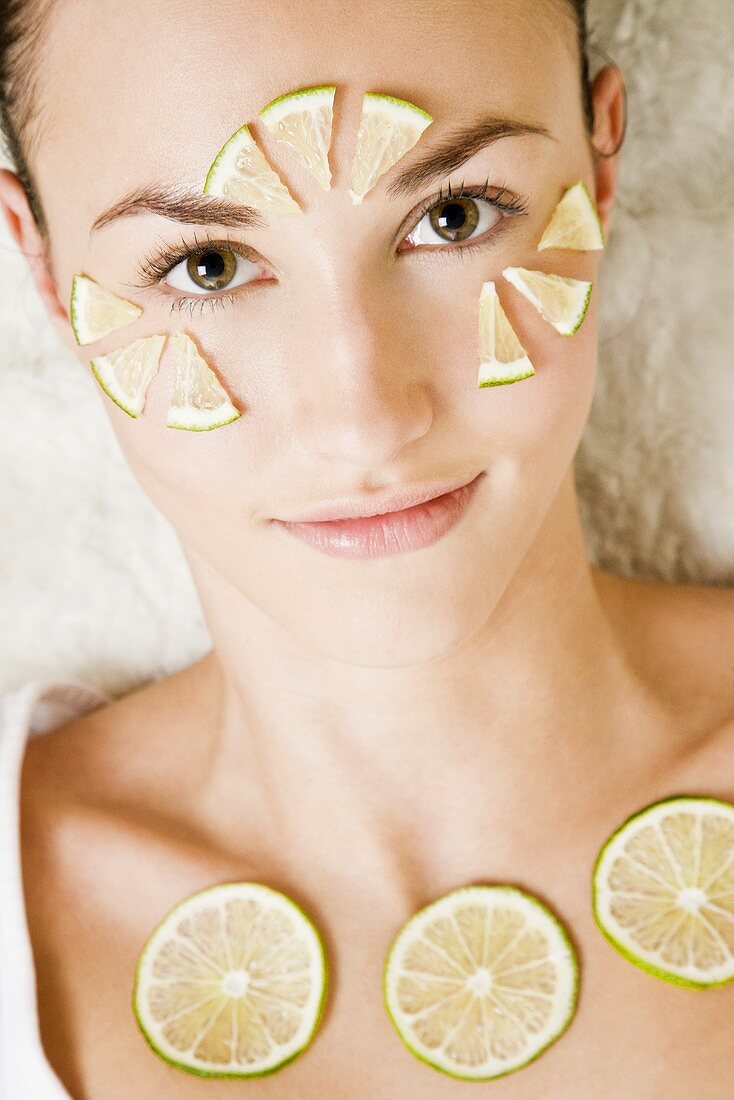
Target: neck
column 537, row 709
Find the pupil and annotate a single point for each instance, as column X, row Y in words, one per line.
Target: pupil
column 453, row 216
column 210, row 266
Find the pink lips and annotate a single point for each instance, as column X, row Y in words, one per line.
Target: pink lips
column 391, row 533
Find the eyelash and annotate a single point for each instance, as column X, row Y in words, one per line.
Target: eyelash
column 154, row 267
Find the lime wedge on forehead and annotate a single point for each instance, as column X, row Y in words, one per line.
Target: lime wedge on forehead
column 241, row 173
column 561, row 301
column 503, row 359
column 575, row 223
column 126, row 374
column 388, row 128
column 303, row 120
column 663, row 890
column 199, row 402
column 478, row 983
column 231, row 983
column 94, row 312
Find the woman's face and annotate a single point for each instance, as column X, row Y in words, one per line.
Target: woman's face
column 352, row 355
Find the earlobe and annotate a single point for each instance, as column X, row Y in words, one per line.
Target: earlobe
column 25, row 232
column 610, row 121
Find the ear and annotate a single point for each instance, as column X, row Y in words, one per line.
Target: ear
column 22, row 225
column 610, row 118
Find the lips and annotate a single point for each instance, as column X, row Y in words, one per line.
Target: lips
column 360, row 508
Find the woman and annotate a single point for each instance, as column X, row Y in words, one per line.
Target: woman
column 367, row 732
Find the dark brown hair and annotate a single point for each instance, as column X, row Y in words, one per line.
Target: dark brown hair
column 22, row 24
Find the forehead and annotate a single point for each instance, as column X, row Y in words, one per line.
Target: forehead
column 132, row 92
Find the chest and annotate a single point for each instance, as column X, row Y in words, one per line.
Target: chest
column 633, row 1036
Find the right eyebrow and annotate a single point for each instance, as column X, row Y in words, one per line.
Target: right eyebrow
column 182, row 205
column 456, row 149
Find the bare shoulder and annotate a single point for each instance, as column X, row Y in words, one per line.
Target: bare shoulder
column 681, row 639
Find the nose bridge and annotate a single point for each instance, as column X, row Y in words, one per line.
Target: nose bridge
column 356, row 394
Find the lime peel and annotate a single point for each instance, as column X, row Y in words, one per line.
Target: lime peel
column 126, row 374
column 199, row 402
column 202, row 941
column 388, row 128
column 562, row 301
column 241, row 172
column 442, row 944
column 303, row 121
column 503, row 359
column 676, row 837
column 575, row 223
column 94, row 312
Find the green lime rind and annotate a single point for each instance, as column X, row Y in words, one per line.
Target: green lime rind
column 403, row 105
column 637, row 960
column 76, row 319
column 98, row 375
column 204, row 427
column 504, row 381
column 196, row 1070
column 292, row 98
column 592, row 208
column 571, row 956
column 582, row 315
column 222, row 155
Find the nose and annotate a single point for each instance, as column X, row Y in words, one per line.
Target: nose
column 358, row 392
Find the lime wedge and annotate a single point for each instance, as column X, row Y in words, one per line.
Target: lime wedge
column 663, row 890
column 94, row 312
column 240, row 172
column 125, row 374
column 199, row 403
column 232, row 982
column 302, row 120
column 478, row 983
column 388, row 128
column 561, row 301
column 503, row 358
column 575, row 223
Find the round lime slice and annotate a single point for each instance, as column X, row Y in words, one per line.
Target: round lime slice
column 480, row 982
column 388, row 128
column 199, row 402
column 561, row 301
column 240, row 172
column 94, row 312
column 663, row 890
column 302, row 120
column 126, row 374
column 575, row 223
column 232, row 982
column 503, row 359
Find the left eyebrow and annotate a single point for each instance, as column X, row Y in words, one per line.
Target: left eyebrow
column 456, row 149
column 182, row 205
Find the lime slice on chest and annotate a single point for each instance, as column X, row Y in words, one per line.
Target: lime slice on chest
column 561, row 301
column 94, row 312
column 388, row 128
column 232, row 982
column 199, row 402
column 663, row 890
column 241, row 173
column 503, row 358
column 302, row 121
column 481, row 981
column 575, row 223
column 126, row 374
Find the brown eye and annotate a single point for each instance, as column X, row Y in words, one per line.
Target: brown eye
column 213, row 269
column 454, row 219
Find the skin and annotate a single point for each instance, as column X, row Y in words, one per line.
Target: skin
column 365, row 735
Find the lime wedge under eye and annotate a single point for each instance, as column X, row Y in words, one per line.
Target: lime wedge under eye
column 663, row 890
column 240, row 172
column 561, row 301
column 94, row 312
column 388, row 128
column 232, row 982
column 478, row 983
column 199, row 402
column 302, row 120
column 575, row 223
column 126, row 374
column 503, row 359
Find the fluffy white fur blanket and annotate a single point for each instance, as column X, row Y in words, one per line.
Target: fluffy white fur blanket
column 92, row 581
